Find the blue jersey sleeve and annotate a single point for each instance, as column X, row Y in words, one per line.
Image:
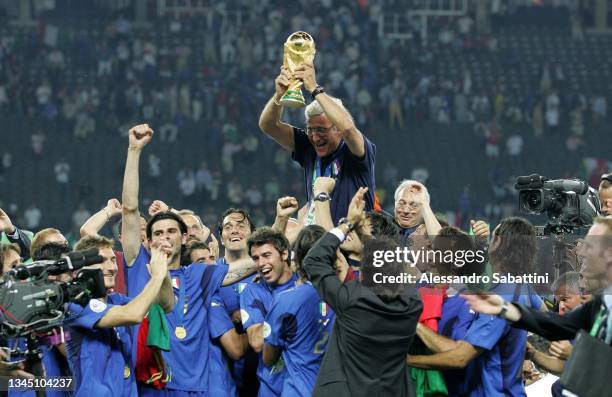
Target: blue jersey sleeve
column 252, row 307
column 279, row 322
column 219, row 322
column 230, row 298
column 485, row 331
column 212, row 279
column 535, row 301
column 87, row 316
column 365, row 163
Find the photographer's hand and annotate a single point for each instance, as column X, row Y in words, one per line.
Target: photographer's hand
column 16, row 370
column 6, row 225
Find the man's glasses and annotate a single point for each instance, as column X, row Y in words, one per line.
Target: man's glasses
column 318, row 130
column 411, row 205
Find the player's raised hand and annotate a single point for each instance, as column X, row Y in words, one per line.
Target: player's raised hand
column 140, row 135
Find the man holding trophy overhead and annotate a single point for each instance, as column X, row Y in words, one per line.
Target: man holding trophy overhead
column 331, row 145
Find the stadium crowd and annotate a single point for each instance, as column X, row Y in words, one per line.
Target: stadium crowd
column 207, row 301
column 66, row 79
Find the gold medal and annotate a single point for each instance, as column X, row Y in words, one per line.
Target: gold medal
column 126, row 372
column 180, row 332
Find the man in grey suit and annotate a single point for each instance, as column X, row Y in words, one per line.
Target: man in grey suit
column 375, row 323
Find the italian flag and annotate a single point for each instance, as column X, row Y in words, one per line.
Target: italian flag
column 176, row 282
column 323, row 308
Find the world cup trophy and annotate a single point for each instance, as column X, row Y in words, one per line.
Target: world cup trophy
column 299, row 48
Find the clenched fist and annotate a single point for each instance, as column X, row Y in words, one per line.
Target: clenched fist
column 324, row 184
column 113, row 208
column 140, row 135
column 285, row 206
column 158, row 206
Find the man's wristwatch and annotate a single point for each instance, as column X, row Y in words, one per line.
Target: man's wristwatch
column 504, row 310
column 345, row 221
column 318, row 90
column 323, row 196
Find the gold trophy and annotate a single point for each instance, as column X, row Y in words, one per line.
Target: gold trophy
column 299, row 48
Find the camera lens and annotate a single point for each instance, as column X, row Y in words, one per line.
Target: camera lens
column 533, row 201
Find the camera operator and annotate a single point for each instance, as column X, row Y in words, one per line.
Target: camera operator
column 100, row 348
column 592, row 316
column 52, row 245
column 10, row 255
column 605, row 194
column 44, row 237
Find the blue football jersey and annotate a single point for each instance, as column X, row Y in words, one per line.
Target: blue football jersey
column 299, row 323
column 255, row 302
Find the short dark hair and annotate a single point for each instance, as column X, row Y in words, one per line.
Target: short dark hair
column 165, row 215
column 385, row 291
column 383, row 224
column 189, row 248
column 245, row 215
column 517, row 249
column 93, row 241
column 50, row 251
column 453, row 239
column 267, row 235
column 307, row 237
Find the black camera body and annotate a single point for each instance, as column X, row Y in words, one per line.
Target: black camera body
column 568, row 203
column 31, row 303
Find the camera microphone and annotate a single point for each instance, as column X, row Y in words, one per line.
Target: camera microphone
column 533, row 181
column 71, row 262
column 75, row 261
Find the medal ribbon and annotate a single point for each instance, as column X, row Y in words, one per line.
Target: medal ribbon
column 179, row 310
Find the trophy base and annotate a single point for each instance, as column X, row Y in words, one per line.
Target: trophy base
column 293, row 99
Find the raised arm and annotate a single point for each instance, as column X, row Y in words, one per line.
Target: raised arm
column 285, row 206
column 92, row 226
column 322, row 209
column 15, row 235
column 139, row 136
column 134, row 312
column 335, row 113
column 432, row 224
column 319, row 263
column 270, row 119
column 239, row 270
